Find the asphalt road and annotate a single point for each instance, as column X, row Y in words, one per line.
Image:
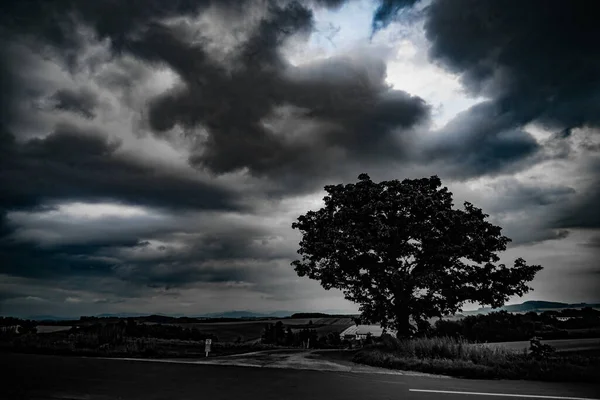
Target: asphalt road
column 39, row 377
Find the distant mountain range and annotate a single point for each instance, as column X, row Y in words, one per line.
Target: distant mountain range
column 48, row 318
column 247, row 314
column 226, row 314
column 514, row 308
column 532, row 306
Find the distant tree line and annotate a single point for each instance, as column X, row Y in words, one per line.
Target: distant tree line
column 278, row 334
column 503, row 326
column 10, row 327
column 318, row 315
column 160, row 319
column 114, row 332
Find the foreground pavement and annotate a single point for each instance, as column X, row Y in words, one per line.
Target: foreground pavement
column 39, row 377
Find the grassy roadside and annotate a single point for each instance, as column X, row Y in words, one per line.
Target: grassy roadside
column 460, row 359
column 56, row 344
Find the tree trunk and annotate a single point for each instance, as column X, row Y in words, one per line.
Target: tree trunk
column 403, row 326
column 402, row 308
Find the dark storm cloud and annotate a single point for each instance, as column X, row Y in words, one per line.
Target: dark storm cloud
column 583, row 212
column 536, row 59
column 72, row 165
column 534, row 196
column 352, row 93
column 387, row 11
column 594, row 242
column 236, row 255
column 483, row 140
column 9, row 295
column 230, row 104
column 88, row 260
column 31, row 261
column 348, row 98
column 81, row 101
column 292, row 126
column 128, row 256
column 56, row 21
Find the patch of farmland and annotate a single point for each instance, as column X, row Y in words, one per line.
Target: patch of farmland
column 252, row 330
column 51, row 328
column 231, row 331
column 335, row 321
column 297, row 321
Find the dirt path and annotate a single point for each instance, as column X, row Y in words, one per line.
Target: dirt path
column 294, row 359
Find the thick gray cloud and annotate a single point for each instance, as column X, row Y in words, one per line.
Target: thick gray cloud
column 594, row 242
column 70, row 165
column 346, row 99
column 531, row 71
column 483, row 140
column 515, row 54
column 584, row 211
column 190, row 116
column 388, row 10
column 82, row 101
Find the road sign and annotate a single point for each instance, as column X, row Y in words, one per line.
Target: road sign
column 207, row 344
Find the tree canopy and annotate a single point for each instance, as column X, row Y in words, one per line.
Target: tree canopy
column 401, row 251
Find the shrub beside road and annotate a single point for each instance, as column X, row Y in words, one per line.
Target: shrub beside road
column 457, row 357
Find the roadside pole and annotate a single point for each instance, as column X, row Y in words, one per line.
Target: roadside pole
column 207, row 344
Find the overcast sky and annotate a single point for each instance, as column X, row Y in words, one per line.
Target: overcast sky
column 154, row 154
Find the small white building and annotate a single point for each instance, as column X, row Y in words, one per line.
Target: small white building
column 11, row 328
column 360, row 332
column 563, row 318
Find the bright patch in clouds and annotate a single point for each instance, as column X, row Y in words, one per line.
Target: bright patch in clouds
column 410, row 70
column 100, row 210
column 72, row 223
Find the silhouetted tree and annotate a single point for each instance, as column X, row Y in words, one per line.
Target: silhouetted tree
column 400, row 250
column 289, row 337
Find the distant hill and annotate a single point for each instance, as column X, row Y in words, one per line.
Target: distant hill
column 322, row 315
column 218, row 315
column 536, row 306
column 246, row 314
column 532, row 306
column 48, row 318
column 134, row 315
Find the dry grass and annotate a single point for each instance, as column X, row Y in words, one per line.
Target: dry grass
column 88, row 345
column 252, row 330
column 459, row 358
column 51, row 328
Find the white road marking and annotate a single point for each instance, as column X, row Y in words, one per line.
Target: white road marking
column 533, row 396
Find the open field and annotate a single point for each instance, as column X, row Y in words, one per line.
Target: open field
column 123, row 339
column 242, row 330
column 252, row 330
column 51, row 329
column 231, row 331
